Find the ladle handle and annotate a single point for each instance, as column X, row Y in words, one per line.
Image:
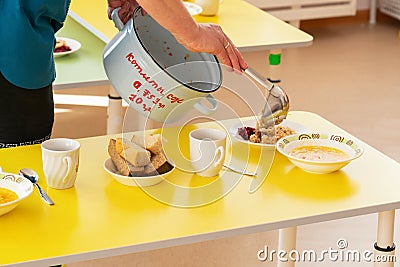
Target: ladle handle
column 259, row 79
column 277, row 102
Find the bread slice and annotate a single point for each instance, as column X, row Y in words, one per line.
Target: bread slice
column 153, row 143
column 123, row 166
column 166, row 167
column 136, row 155
column 150, row 170
column 121, row 144
column 156, row 162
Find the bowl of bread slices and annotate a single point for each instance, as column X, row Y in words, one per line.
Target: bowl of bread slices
column 139, row 161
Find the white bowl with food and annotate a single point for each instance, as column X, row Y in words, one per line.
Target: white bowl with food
column 245, row 131
column 13, row 189
column 318, row 152
column 138, row 161
column 134, row 180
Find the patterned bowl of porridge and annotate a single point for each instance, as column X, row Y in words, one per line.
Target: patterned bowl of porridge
column 319, row 152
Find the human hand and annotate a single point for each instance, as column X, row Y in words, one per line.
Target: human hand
column 126, row 11
column 210, row 38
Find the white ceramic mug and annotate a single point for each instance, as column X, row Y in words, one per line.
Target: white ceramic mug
column 60, row 158
column 207, row 151
column 210, row 7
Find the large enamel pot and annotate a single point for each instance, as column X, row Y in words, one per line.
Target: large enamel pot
column 155, row 74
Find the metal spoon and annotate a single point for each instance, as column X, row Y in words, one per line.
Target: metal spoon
column 240, row 171
column 32, row 176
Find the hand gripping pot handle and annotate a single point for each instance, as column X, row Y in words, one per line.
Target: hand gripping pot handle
column 117, row 21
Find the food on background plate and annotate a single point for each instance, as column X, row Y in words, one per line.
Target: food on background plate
column 268, row 135
column 139, row 157
column 7, row 195
column 319, row 153
column 61, row 46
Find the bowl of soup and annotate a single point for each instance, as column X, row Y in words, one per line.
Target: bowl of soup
column 319, row 152
column 13, row 189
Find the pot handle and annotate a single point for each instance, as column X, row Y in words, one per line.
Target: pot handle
column 206, row 110
column 115, row 18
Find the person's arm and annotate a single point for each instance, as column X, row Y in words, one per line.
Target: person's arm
column 196, row 37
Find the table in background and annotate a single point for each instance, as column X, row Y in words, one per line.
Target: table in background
column 250, row 28
column 84, row 67
column 100, row 217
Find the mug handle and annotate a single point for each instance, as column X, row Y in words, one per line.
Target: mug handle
column 68, row 160
column 205, row 110
column 115, row 18
column 220, row 150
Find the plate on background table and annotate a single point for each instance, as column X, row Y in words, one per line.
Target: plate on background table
column 73, row 44
column 193, row 8
column 297, row 127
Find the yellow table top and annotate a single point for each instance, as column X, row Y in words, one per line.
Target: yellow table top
column 100, row 217
column 249, row 27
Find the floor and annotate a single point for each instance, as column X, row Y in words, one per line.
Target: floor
column 350, row 75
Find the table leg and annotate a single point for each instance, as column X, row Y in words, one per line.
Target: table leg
column 274, row 60
column 115, row 113
column 372, row 11
column 384, row 246
column 295, row 23
column 116, row 116
column 287, row 243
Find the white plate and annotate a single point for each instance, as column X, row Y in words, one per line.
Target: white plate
column 193, row 8
column 297, row 127
column 74, row 44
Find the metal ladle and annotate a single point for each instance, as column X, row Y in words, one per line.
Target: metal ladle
column 32, row 176
column 277, row 102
